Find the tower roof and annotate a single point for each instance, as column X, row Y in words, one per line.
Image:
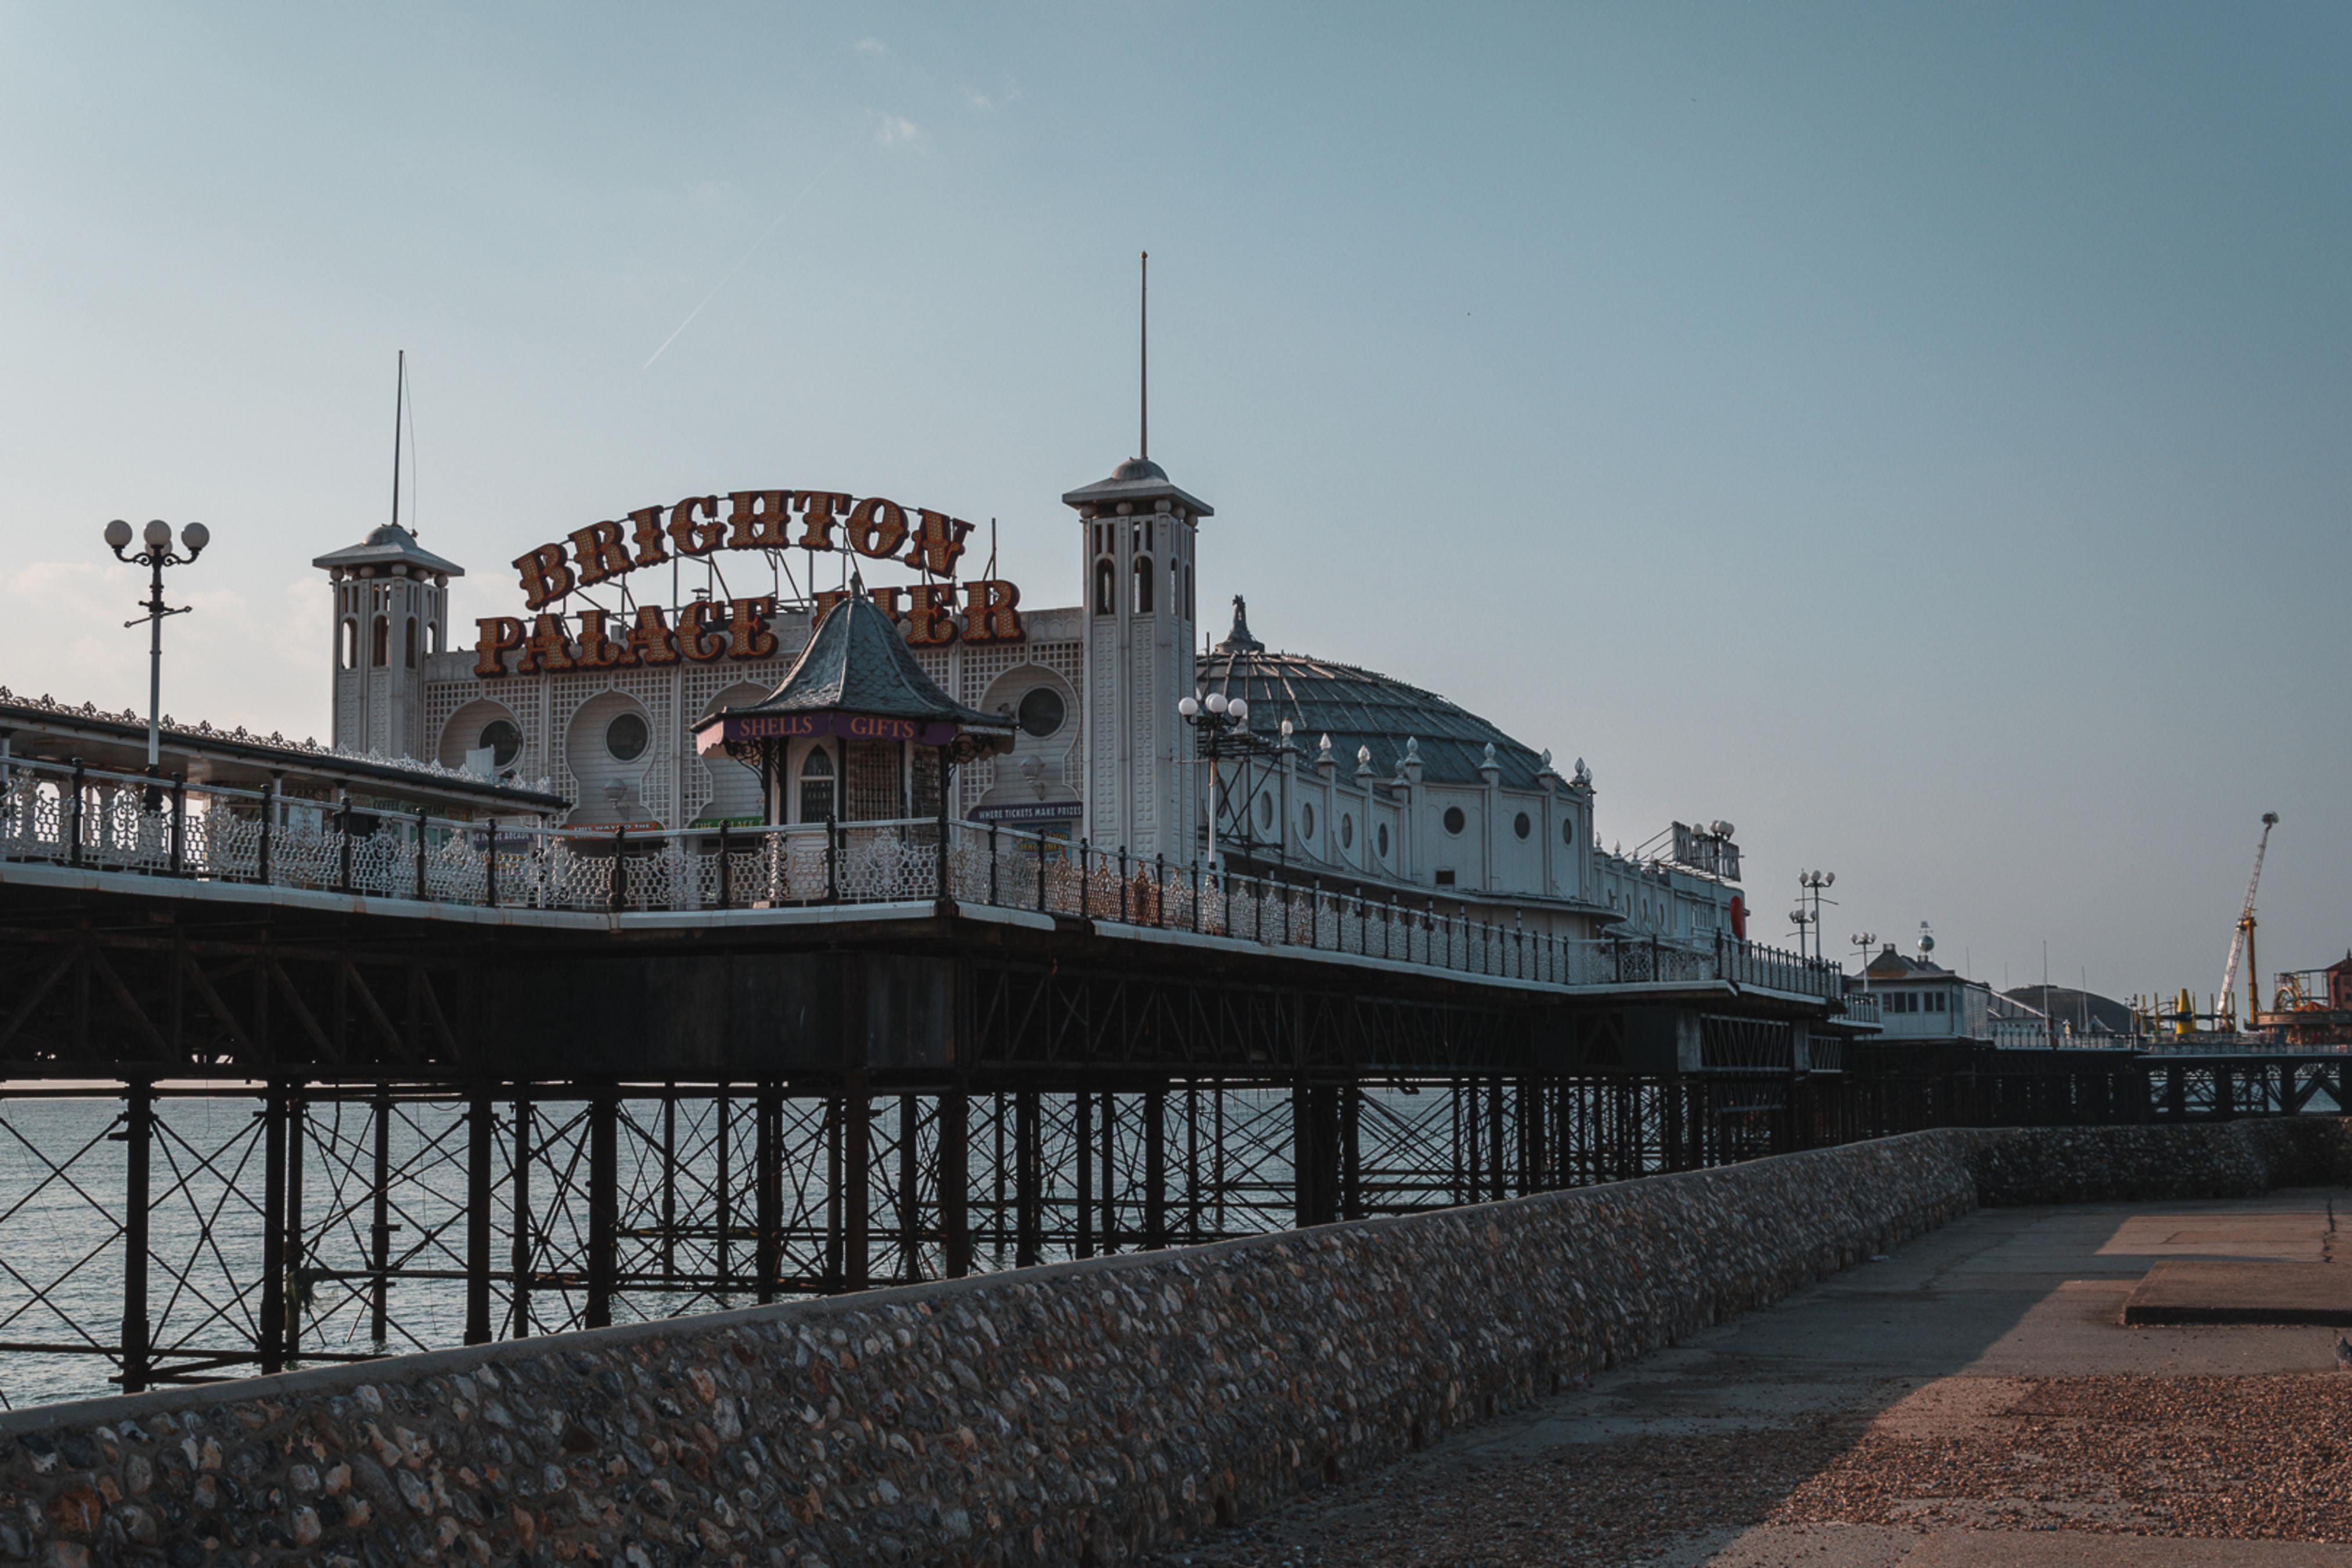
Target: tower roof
column 1139, row 482
column 388, row 545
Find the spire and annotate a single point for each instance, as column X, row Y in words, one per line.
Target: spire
column 1143, row 360
column 1239, row 640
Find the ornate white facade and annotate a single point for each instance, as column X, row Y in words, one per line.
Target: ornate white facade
column 1352, row 779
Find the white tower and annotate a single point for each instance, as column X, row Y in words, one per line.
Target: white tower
column 1143, row 789
column 391, row 609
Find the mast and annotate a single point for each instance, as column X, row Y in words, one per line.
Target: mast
column 1143, row 360
column 399, row 398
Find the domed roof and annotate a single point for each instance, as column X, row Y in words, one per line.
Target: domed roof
column 387, row 544
column 1138, row 468
column 1358, row 708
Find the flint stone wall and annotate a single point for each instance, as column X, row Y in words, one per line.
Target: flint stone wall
column 2209, row 1160
column 1071, row 1414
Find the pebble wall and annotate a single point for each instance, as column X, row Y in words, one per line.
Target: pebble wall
column 1067, row 1414
column 2212, row 1159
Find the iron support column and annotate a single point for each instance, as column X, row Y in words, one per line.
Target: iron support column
column 603, row 1205
column 138, row 1131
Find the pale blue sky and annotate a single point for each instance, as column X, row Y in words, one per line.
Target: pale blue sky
column 1918, row 434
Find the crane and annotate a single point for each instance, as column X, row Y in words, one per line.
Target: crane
column 2243, row 943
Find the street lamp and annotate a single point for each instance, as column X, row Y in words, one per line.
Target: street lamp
column 157, row 537
column 1222, row 724
column 1865, row 943
column 1809, row 888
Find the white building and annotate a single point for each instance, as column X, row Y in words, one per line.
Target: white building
column 1349, row 778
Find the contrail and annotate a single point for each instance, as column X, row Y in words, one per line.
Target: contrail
column 723, row 283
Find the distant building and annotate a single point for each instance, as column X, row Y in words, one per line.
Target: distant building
column 1921, row 1003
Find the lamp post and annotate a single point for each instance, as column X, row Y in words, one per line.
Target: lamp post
column 1223, row 725
column 1865, row 943
column 1807, row 912
column 157, row 537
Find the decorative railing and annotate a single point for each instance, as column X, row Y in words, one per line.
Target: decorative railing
column 85, row 816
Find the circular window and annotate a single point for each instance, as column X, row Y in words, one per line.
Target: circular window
column 1567, row 833
column 502, row 740
column 1452, row 820
column 1382, row 839
column 1265, row 811
column 1307, row 820
column 1521, row 826
column 1042, row 713
column 1346, row 831
column 625, row 738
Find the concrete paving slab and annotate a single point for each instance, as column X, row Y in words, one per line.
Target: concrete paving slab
column 2201, row 1290
column 2082, row 1549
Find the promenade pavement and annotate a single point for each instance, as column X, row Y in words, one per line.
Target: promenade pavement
column 1973, row 1399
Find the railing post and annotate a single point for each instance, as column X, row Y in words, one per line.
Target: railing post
column 620, row 894
column 1041, row 870
column 179, row 824
column 343, row 831
column 1196, row 896
column 946, row 904
column 725, row 870
column 269, row 826
column 991, row 865
column 1159, row 890
column 420, row 855
column 1123, row 918
column 490, row 862
column 1082, row 885
column 832, row 865
column 73, row 847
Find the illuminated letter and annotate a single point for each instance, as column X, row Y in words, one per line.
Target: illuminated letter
column 818, row 509
column 759, row 518
column 934, row 615
column 886, row 601
column 701, row 635
column 651, row 551
column 649, row 640
column 500, row 635
column 992, row 612
column 694, row 538
column 597, row 548
column 826, row 598
column 545, row 575
column 548, row 648
column 877, row 527
column 748, row 636
column 598, row 651
column 939, row 539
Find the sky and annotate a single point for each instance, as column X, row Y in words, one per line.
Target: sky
column 1916, row 435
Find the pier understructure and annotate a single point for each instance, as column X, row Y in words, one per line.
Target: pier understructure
column 281, row 1110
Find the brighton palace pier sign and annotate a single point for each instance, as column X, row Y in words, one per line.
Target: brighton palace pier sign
column 879, row 529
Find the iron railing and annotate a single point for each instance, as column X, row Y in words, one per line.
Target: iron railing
column 81, row 816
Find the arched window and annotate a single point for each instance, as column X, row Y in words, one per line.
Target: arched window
column 1143, row 584
column 412, row 642
column 380, row 648
column 1105, row 586
column 348, row 654
column 816, row 785
column 433, row 637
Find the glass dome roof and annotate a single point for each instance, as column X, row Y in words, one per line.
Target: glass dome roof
column 1358, row 708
